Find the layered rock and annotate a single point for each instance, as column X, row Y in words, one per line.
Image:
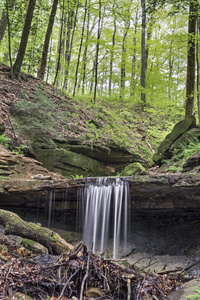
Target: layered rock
column 165, row 149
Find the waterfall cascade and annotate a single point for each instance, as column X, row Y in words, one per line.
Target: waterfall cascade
column 104, row 211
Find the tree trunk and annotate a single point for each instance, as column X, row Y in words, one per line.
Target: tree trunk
column 80, row 48
column 24, row 38
column 9, row 40
column 97, row 53
column 134, row 56
column 197, row 58
column 112, row 53
column 3, row 24
column 190, row 81
column 143, row 54
column 69, row 47
column 85, row 51
column 15, row 225
column 59, row 46
column 123, row 62
column 41, row 71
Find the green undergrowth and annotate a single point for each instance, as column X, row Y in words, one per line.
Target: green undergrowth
column 181, row 155
column 108, row 122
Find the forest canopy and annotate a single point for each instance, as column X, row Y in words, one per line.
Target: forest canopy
column 130, row 49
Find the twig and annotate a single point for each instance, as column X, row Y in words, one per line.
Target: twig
column 160, row 291
column 86, row 275
column 169, row 271
column 66, row 284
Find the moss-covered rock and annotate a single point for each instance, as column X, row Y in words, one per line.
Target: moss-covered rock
column 187, row 137
column 133, row 169
column 69, row 163
column 164, row 150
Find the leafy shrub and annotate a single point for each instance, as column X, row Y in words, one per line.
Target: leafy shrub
column 4, row 141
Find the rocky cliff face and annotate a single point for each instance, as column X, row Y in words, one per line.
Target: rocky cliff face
column 23, row 181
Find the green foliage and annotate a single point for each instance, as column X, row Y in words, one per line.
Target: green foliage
column 19, row 150
column 181, row 155
column 195, row 296
column 76, row 176
column 4, row 141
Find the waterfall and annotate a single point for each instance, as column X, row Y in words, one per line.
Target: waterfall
column 104, row 212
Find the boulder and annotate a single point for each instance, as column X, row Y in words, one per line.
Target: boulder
column 186, row 137
column 165, row 148
column 133, row 169
column 74, row 163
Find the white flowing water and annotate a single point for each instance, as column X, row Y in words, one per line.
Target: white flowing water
column 104, row 209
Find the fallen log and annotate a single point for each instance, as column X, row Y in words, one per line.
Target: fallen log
column 51, row 240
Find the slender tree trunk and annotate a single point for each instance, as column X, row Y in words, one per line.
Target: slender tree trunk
column 85, row 51
column 68, row 55
column 97, row 53
column 143, row 53
column 9, row 40
column 171, row 65
column 123, row 61
column 49, row 61
column 149, row 33
column 190, row 81
column 24, row 38
column 92, row 77
column 3, row 23
column 134, row 56
column 4, row 17
column 197, row 59
column 41, row 71
column 59, row 47
column 112, row 54
column 80, row 48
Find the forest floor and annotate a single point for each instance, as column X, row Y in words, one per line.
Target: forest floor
column 84, row 275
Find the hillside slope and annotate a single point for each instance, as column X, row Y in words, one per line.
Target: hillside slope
column 75, row 137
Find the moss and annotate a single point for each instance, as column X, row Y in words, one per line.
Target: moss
column 133, row 169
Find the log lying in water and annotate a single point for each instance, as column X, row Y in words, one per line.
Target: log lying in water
column 51, row 240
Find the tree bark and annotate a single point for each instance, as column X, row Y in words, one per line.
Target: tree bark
column 41, row 71
column 80, row 48
column 190, row 81
column 197, row 59
column 112, row 52
column 9, row 39
column 143, row 53
column 59, row 46
column 85, row 51
column 3, row 24
column 97, row 53
column 24, row 38
column 70, row 46
column 134, row 56
column 123, row 62
column 51, row 240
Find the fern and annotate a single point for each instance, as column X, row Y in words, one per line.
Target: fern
column 181, row 155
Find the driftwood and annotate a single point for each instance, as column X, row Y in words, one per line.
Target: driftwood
column 15, row 225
